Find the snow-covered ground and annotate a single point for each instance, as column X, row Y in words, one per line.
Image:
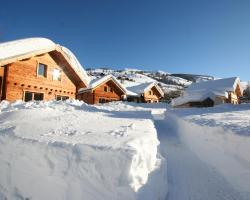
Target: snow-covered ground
column 70, row 150
column 230, row 117
column 208, row 152
column 189, row 177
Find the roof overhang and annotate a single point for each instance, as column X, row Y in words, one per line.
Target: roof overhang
column 12, row 59
column 105, row 80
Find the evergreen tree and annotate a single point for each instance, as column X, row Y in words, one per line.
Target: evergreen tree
column 246, row 92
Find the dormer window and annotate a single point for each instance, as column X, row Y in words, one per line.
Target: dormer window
column 42, row 70
column 57, row 75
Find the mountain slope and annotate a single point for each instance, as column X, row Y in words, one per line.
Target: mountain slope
column 131, row 77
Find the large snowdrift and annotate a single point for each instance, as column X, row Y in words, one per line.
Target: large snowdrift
column 220, row 137
column 70, row 150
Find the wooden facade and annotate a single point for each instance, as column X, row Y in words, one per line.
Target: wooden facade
column 151, row 95
column 234, row 97
column 22, row 80
column 104, row 92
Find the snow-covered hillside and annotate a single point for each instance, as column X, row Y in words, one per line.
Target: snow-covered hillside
column 194, row 77
column 244, row 84
column 70, row 150
column 131, row 77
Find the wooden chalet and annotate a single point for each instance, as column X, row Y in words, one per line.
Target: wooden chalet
column 210, row 93
column 39, row 69
column 102, row 90
column 145, row 93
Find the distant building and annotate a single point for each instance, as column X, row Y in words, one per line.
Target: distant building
column 102, row 90
column 145, row 93
column 39, row 69
column 210, row 93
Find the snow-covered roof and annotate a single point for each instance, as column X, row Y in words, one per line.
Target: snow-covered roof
column 219, row 85
column 98, row 81
column 142, row 88
column 12, row 49
column 76, row 64
column 20, row 49
column 195, row 97
column 208, row 89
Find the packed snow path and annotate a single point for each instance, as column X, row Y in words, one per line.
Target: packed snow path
column 189, row 178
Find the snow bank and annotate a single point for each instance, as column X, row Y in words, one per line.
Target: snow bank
column 230, row 117
column 226, row 151
column 70, row 150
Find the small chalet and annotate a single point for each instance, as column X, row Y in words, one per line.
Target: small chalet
column 145, row 93
column 102, row 90
column 210, row 93
column 39, row 69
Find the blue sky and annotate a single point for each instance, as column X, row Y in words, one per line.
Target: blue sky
column 189, row 36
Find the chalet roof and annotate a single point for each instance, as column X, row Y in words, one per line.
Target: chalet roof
column 142, row 88
column 98, row 81
column 21, row 49
column 219, row 85
column 197, row 92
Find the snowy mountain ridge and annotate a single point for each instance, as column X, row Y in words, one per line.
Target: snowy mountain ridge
column 167, row 81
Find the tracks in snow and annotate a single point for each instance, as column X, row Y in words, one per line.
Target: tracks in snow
column 189, row 178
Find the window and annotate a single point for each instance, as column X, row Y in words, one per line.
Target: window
column 29, row 96
column 150, row 92
column 42, row 70
column 57, row 75
column 61, row 98
column 38, row 96
column 101, row 100
column 108, row 89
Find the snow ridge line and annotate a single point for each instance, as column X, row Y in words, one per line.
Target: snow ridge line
column 125, row 183
column 224, row 150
